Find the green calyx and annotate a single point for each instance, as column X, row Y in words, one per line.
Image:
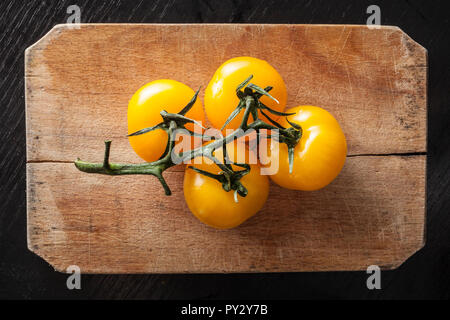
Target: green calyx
column 230, row 180
column 228, row 177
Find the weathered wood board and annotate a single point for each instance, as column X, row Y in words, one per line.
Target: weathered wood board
column 79, row 81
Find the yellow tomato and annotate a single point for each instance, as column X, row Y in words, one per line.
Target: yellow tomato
column 319, row 155
column 214, row 206
column 220, row 95
column 144, row 111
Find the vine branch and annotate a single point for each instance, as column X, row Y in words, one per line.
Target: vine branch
column 249, row 95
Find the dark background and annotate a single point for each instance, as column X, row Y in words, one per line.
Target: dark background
column 25, row 275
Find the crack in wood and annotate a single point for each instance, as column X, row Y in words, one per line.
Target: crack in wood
column 49, row 161
column 400, row 154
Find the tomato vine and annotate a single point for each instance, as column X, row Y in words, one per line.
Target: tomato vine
column 249, row 96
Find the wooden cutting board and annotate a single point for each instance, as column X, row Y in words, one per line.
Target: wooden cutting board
column 79, row 81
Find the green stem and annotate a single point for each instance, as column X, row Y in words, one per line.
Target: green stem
column 106, row 158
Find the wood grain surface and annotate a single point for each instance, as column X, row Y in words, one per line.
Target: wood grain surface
column 78, row 82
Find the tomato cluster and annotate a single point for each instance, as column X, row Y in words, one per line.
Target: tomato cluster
column 312, row 163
